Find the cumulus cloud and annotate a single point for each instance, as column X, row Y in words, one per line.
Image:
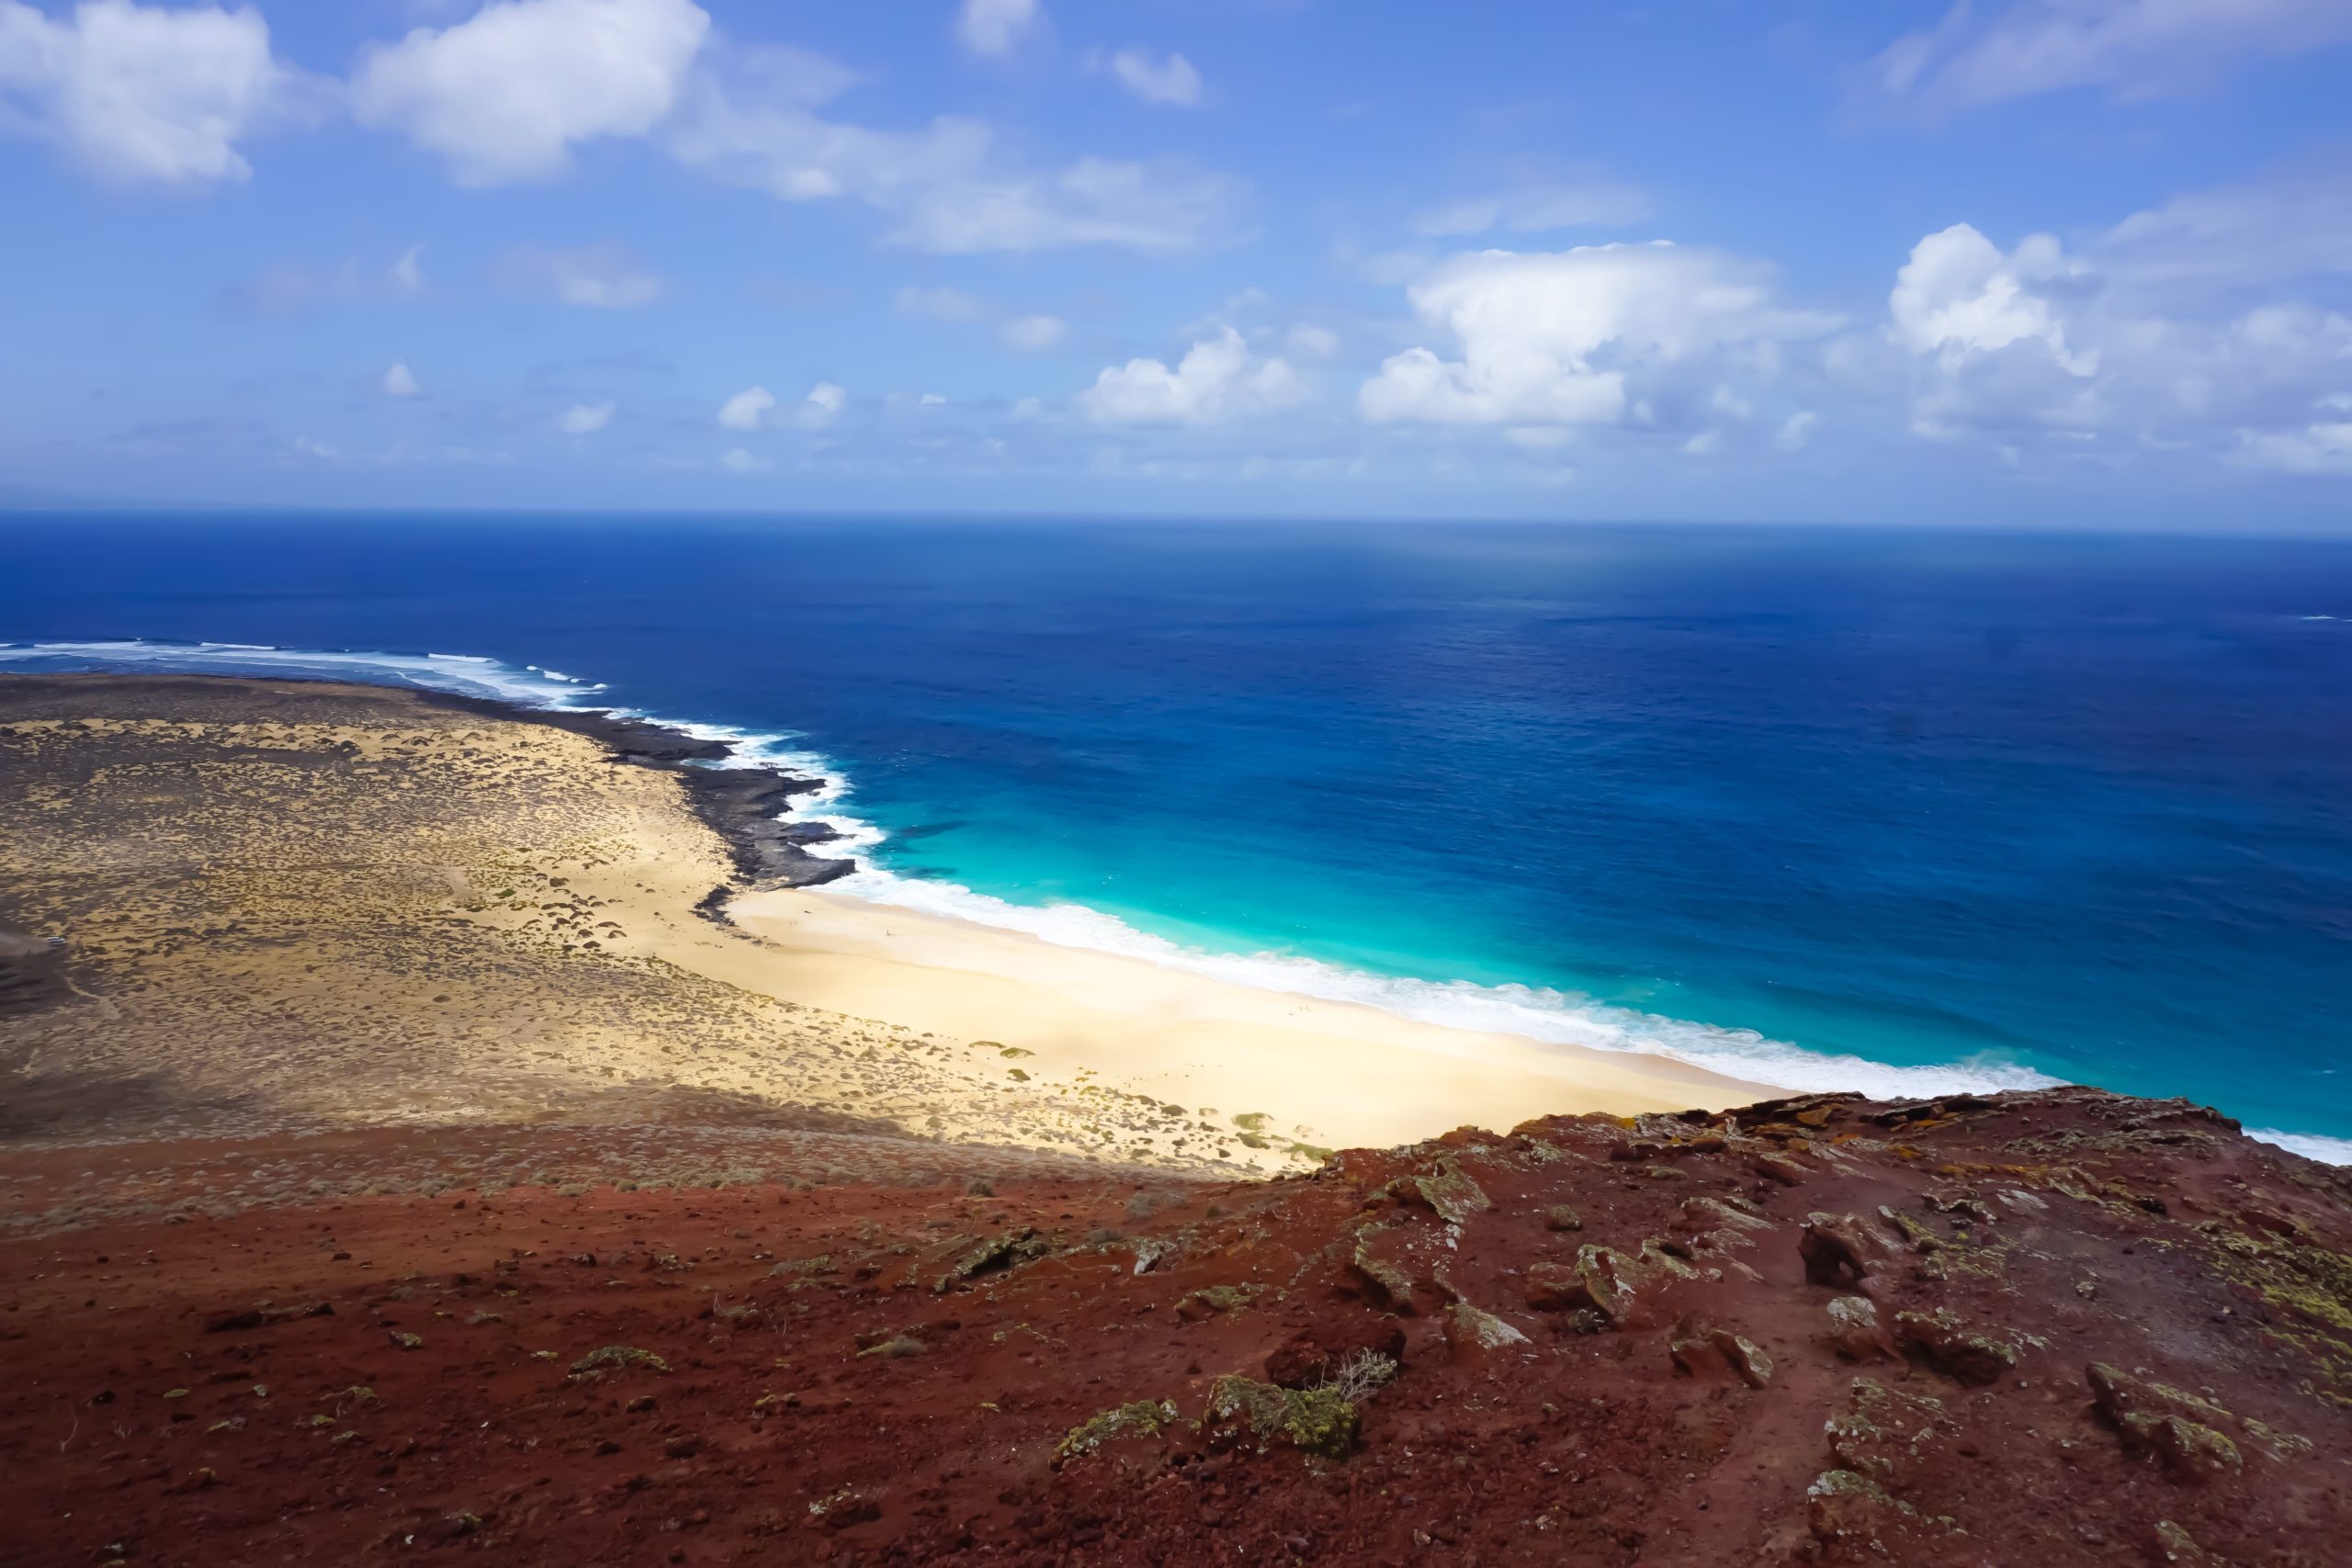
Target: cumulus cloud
column 605, row 276
column 747, row 410
column 506, row 95
column 1958, row 296
column 2132, row 48
column 945, row 186
column 2141, row 338
column 1032, row 334
column 756, row 408
column 399, row 381
column 585, row 419
column 995, row 28
column 822, row 403
column 735, row 460
column 1219, row 376
column 1796, row 431
column 1576, row 338
column 142, row 94
column 1169, row 81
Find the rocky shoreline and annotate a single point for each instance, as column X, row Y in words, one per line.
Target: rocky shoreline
column 742, row 806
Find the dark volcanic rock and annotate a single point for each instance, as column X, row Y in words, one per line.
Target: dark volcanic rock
column 740, row 805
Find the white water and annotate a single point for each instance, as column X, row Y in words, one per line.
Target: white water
column 1548, row 1016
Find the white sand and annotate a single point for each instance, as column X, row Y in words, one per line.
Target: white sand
column 1331, row 1073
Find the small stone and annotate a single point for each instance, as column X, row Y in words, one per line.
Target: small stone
column 1855, row 1329
column 1472, row 1333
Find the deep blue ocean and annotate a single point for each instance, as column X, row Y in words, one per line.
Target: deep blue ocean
column 1886, row 809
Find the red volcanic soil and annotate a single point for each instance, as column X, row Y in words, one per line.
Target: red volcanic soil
column 2075, row 1329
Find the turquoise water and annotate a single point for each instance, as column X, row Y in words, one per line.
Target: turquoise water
column 1881, row 809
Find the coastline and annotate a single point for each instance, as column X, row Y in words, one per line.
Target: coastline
column 1318, row 1073
column 1331, row 1074
column 1328, row 1074
column 309, row 903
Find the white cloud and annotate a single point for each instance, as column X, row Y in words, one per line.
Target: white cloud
column 2248, row 237
column 1534, row 208
column 2179, row 330
column 1217, row 376
column 504, row 95
column 1704, row 443
column 2133, row 49
column 735, row 460
column 1032, row 334
column 1310, row 341
column 399, row 381
column 1796, row 431
column 143, row 93
column 995, row 27
column 1169, row 81
column 586, row 419
column 756, row 408
column 605, row 276
column 945, row 186
column 746, row 408
column 2324, row 449
column 1570, row 337
column 1958, row 296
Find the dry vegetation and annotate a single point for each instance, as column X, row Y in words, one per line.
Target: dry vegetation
column 289, row 905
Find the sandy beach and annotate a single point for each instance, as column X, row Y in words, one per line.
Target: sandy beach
column 301, row 904
column 1326, row 1072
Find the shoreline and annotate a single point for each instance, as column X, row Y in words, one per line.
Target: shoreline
column 1373, row 1078
column 858, row 957
column 740, row 802
column 336, row 903
column 1092, row 1013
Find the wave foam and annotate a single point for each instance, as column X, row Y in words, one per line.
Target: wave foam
column 1549, row 1016
column 2311, row 1146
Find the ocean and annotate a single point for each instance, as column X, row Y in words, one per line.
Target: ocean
column 1892, row 810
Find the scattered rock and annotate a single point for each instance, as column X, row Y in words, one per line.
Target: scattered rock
column 1949, row 1345
column 1471, row 1333
column 1855, row 1329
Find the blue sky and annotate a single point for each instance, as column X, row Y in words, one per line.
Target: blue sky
column 2015, row 262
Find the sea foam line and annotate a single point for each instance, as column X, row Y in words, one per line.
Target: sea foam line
column 1548, row 1016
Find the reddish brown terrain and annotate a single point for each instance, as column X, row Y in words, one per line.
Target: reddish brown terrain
column 2035, row 1330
